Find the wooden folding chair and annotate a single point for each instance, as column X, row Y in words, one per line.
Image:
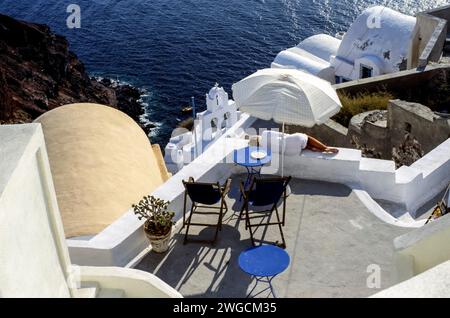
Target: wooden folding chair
column 265, row 192
column 205, row 195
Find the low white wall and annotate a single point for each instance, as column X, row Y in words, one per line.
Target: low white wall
column 411, row 186
column 434, row 283
column 425, row 247
column 134, row 283
column 433, row 175
column 33, row 260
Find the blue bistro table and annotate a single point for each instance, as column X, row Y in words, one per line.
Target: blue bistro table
column 264, row 263
column 243, row 158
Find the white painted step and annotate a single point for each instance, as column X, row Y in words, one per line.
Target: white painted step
column 111, row 293
column 87, row 290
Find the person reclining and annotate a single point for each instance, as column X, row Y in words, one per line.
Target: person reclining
column 315, row 145
column 295, row 143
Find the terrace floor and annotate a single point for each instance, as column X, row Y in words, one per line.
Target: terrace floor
column 331, row 238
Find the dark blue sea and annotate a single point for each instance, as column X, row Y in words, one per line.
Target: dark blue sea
column 175, row 49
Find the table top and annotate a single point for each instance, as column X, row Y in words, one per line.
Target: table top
column 265, row 260
column 242, row 157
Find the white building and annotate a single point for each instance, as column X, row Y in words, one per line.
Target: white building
column 221, row 114
column 377, row 43
column 312, row 55
column 380, row 41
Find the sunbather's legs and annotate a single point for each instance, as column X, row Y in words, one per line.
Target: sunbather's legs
column 315, row 145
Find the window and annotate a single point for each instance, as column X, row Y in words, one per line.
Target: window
column 226, row 117
column 214, row 123
column 366, row 71
column 341, row 79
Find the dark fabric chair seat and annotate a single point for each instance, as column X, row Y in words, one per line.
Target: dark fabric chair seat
column 204, row 195
column 265, row 192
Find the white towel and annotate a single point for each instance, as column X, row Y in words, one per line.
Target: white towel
column 293, row 144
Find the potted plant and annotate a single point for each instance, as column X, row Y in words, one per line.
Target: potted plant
column 159, row 221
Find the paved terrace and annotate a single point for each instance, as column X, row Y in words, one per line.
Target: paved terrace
column 331, row 238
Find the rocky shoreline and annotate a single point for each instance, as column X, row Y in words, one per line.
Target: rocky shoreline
column 38, row 73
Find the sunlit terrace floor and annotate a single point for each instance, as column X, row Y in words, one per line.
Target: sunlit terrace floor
column 331, row 239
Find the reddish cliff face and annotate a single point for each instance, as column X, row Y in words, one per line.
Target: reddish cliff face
column 38, row 72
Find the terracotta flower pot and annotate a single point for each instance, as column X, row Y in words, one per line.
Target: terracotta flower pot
column 160, row 243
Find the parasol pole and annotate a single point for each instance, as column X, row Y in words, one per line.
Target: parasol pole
column 194, row 128
column 282, row 152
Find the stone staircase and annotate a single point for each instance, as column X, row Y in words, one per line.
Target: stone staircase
column 93, row 290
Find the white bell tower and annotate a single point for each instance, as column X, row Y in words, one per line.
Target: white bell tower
column 216, row 98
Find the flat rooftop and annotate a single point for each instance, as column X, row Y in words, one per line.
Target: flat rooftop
column 331, row 237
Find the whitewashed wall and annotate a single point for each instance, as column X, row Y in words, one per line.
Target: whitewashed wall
column 423, row 248
column 411, row 186
column 32, row 263
column 434, row 283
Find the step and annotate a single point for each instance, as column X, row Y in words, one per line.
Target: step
column 377, row 165
column 87, row 290
column 111, row 293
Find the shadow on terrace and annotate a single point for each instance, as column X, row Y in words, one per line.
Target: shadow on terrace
column 331, row 238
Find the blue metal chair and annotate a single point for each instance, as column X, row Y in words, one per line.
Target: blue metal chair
column 265, row 192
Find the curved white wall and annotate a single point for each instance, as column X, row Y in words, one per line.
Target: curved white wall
column 434, row 283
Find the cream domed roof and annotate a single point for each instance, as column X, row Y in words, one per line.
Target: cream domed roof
column 102, row 162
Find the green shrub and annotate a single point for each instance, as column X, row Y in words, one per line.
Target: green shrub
column 154, row 211
column 360, row 103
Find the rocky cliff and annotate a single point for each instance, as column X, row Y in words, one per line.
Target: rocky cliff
column 38, row 72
